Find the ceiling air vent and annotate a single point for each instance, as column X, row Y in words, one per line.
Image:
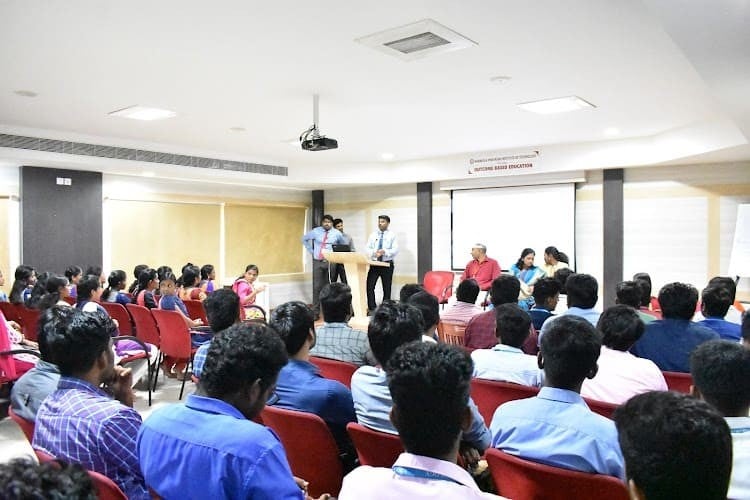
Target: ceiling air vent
column 417, row 40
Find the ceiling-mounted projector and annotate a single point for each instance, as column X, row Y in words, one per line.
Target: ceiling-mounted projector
column 311, row 139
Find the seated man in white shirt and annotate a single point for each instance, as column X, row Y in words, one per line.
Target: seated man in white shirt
column 506, row 361
column 464, row 308
column 621, row 375
column 428, row 306
column 430, row 386
column 721, row 377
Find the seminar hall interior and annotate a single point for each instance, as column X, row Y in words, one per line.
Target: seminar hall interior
column 616, row 131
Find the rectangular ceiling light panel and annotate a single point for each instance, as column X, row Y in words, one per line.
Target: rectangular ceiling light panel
column 416, row 40
column 556, row 105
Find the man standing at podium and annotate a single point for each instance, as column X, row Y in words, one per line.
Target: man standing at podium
column 316, row 241
column 381, row 246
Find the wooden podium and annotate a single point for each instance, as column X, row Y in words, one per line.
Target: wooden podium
column 356, row 266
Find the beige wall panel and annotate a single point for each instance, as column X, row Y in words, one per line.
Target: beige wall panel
column 268, row 237
column 158, row 233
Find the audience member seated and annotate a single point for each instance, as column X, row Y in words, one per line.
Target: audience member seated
column 208, row 278
column 11, row 338
column 675, row 447
column 222, row 311
column 583, row 293
column 209, row 446
column 621, row 375
column 408, row 290
column 721, row 377
column 556, row 427
column 562, row 275
column 465, row 306
column 81, row 422
column 148, row 281
column 34, row 386
column 246, row 288
column 506, row 361
column 116, row 283
column 300, row 385
column 56, row 291
column 38, row 291
column 22, row 479
column 137, row 270
column 746, row 329
column 170, row 301
column 25, row 278
column 430, row 385
column 528, row 274
column 393, row 325
column 554, row 260
column 649, row 303
column 669, row 341
column 715, row 302
column 481, row 268
column 629, row 294
column 190, row 279
column 428, row 306
column 335, row 338
column 546, row 294
column 736, row 309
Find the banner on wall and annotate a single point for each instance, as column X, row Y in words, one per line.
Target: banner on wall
column 503, row 165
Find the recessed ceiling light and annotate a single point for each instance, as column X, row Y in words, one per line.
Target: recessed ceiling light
column 387, row 156
column 237, row 129
column 25, row 93
column 143, row 113
column 499, row 80
column 556, row 105
column 611, row 131
column 148, row 173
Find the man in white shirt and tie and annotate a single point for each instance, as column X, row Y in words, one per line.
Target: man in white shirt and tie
column 381, row 246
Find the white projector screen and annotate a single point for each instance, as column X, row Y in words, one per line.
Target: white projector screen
column 509, row 219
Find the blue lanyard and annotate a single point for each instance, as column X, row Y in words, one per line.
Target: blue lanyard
column 412, row 472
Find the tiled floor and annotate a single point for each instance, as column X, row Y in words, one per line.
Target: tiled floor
column 167, row 392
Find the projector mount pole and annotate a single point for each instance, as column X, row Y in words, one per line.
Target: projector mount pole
column 315, row 113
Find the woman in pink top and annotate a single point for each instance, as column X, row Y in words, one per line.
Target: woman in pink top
column 243, row 286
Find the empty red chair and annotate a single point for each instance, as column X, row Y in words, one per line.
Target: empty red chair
column 439, row 284
column 196, row 310
column 310, row 448
column 335, row 369
column 118, row 312
column 175, row 338
column 375, row 448
column 679, row 382
column 489, row 394
column 145, row 330
column 524, row 480
column 29, row 320
column 27, row 426
column 601, row 407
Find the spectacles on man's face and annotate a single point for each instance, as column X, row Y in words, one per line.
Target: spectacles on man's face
column 272, row 399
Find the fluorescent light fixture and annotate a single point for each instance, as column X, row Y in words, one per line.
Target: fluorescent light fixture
column 387, row 156
column 143, row 113
column 556, row 105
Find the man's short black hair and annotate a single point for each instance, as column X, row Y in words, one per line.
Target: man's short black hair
column 428, row 306
column 76, row 340
column 511, row 325
column 727, row 283
column 570, row 348
column 504, row 290
column 621, row 327
column 48, row 324
column 240, row 355
column 326, row 217
column 545, row 289
column 222, row 309
column 385, row 218
column 721, row 373
column 336, row 302
column 675, row 446
column 628, row 293
column 293, row 321
column 644, row 289
column 562, row 275
column 429, row 385
column 391, row 325
column 678, row 300
column 715, row 301
column 582, row 291
column 337, row 221
column 467, row 291
column 408, row 290
column 22, row 479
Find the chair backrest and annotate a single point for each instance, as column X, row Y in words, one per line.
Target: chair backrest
column 601, row 407
column 29, row 319
column 174, row 333
column 106, row 489
column 375, row 448
column 489, row 394
column 27, row 426
column 145, row 324
column 524, row 480
column 310, row 448
column 439, row 284
column 679, row 382
column 118, row 312
column 43, row 457
column 335, row 369
column 10, row 311
column 451, row 332
column 196, row 310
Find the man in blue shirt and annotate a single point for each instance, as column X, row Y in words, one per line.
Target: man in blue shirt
column 715, row 303
column 546, row 294
column 208, row 446
column 556, row 427
column 316, row 241
column 582, row 294
column 300, row 385
column 669, row 341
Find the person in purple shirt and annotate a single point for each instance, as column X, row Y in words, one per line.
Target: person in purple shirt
column 715, row 303
column 300, row 385
column 90, row 418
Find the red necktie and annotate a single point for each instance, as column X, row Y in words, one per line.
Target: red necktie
column 322, row 246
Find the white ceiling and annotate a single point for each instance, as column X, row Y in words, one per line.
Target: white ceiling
column 649, row 67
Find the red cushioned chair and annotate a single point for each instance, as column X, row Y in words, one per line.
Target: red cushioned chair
column 10, row 311
column 489, row 394
column 310, row 448
column 8, row 373
column 145, row 330
column 375, row 448
column 106, row 489
column 175, row 338
column 524, row 480
column 143, row 353
column 439, row 284
column 601, row 407
column 679, row 382
column 27, row 426
column 118, row 312
column 196, row 310
column 29, row 320
column 335, row 370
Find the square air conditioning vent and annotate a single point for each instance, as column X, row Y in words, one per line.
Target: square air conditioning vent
column 416, row 40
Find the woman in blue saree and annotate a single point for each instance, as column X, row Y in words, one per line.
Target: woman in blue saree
column 528, row 274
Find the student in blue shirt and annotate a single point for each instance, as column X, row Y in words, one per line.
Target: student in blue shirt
column 715, row 303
